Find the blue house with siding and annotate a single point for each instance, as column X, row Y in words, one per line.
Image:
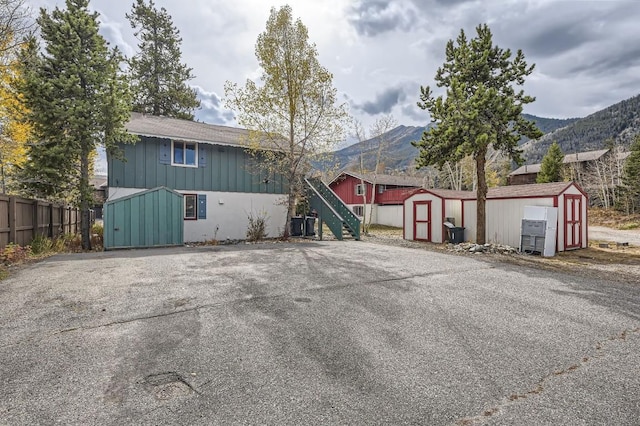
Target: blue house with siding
column 209, row 165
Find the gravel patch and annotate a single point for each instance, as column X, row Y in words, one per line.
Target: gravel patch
column 582, row 263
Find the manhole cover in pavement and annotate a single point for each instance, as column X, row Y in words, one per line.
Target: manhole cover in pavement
column 168, row 385
column 302, row 299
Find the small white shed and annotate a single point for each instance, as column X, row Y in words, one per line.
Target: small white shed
column 424, row 213
column 426, row 210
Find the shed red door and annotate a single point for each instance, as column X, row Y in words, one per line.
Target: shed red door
column 572, row 221
column 422, row 220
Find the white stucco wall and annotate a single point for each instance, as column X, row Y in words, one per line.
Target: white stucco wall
column 368, row 212
column 228, row 213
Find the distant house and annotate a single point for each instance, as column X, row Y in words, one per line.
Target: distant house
column 524, row 175
column 578, row 162
column 99, row 184
column 207, row 165
column 384, row 199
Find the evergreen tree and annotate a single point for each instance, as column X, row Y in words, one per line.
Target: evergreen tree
column 630, row 194
column 552, row 165
column 294, row 112
column 481, row 109
column 76, row 99
column 158, row 78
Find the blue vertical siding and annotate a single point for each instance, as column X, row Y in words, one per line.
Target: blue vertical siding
column 227, row 169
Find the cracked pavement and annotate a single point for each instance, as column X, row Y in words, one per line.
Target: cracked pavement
column 314, row 332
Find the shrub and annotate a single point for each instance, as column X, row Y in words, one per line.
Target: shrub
column 14, row 253
column 68, row 242
column 97, row 236
column 41, row 245
column 257, row 227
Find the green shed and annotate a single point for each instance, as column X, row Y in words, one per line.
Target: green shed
column 152, row 218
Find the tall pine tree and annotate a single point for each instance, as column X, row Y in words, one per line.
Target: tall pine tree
column 552, row 165
column 76, row 99
column 481, row 109
column 159, row 80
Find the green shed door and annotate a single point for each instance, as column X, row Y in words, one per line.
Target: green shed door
column 152, row 218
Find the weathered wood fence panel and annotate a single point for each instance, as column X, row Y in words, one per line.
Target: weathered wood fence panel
column 21, row 220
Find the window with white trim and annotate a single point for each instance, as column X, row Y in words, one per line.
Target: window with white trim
column 359, row 189
column 190, row 206
column 358, row 210
column 184, row 154
column 381, row 189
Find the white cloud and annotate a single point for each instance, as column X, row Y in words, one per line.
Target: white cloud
column 585, row 52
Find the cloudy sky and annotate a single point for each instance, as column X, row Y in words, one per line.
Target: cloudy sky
column 587, row 53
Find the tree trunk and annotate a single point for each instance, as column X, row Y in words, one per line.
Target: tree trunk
column 481, row 194
column 372, row 201
column 4, row 188
column 294, row 190
column 86, row 195
column 290, row 209
column 364, row 204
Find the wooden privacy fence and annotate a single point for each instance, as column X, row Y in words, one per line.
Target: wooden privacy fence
column 21, row 220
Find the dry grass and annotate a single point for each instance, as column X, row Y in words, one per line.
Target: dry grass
column 616, row 262
column 613, row 219
column 596, row 254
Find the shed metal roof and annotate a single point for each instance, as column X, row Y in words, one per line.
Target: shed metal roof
column 532, row 190
column 514, row 191
column 456, row 195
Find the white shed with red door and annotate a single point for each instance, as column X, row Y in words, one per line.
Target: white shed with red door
column 426, row 210
column 424, row 213
column 506, row 205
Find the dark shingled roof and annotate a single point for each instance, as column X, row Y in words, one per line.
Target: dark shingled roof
column 407, row 181
column 526, row 169
column 189, row 131
column 192, row 131
column 578, row 157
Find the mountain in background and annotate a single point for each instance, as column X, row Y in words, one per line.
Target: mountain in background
column 547, row 125
column 399, row 155
column 617, row 124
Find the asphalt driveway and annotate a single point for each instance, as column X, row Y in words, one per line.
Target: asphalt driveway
column 314, row 333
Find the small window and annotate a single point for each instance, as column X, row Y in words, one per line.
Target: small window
column 185, row 154
column 190, row 207
column 359, row 189
column 381, row 189
column 358, row 210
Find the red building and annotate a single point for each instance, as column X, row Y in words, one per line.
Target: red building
column 384, row 195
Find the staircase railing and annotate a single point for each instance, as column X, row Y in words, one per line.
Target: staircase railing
column 342, row 215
